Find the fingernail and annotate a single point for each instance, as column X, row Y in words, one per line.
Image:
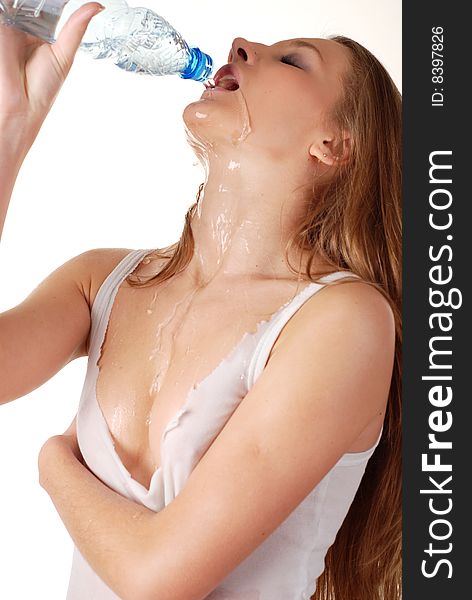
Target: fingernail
column 98, row 9
column 94, row 11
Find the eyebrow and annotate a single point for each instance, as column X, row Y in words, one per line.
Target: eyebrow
column 303, row 44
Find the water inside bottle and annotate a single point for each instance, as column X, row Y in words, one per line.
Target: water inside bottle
column 138, row 40
column 34, row 17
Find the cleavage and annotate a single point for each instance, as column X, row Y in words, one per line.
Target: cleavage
column 159, row 344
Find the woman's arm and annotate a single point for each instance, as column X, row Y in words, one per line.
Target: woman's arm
column 31, row 74
column 50, row 327
column 327, row 380
column 108, row 529
column 12, row 155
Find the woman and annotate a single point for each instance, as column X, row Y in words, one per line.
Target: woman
column 238, row 430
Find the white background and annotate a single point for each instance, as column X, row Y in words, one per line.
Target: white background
column 111, row 168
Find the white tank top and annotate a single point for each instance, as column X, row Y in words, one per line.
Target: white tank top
column 286, row 565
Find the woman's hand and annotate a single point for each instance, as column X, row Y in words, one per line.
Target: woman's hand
column 53, row 449
column 32, row 71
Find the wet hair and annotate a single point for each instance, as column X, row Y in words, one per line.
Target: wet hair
column 353, row 222
column 356, row 223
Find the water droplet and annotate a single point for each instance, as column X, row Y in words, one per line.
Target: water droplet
column 233, row 165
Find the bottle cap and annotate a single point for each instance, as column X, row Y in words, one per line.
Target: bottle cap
column 199, row 66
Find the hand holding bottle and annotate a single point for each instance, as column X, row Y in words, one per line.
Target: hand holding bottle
column 33, row 71
column 135, row 38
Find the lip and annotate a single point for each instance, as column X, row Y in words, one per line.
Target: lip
column 229, row 69
column 216, row 90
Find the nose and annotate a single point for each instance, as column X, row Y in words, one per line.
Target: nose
column 242, row 50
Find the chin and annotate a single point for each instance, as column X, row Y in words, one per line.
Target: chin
column 195, row 120
column 194, row 113
column 207, row 123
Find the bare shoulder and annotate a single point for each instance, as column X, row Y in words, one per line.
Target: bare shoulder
column 350, row 325
column 349, row 307
column 355, row 319
column 95, row 265
column 352, row 307
column 342, row 340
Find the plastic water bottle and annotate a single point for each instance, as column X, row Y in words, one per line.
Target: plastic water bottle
column 136, row 39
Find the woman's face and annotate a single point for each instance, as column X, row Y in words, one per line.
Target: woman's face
column 283, row 90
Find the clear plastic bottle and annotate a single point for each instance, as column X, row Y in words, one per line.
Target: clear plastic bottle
column 136, row 39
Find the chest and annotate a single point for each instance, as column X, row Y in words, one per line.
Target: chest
column 160, row 347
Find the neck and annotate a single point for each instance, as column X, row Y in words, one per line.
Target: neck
column 248, row 210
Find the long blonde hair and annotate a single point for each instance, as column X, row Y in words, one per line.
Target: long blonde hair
column 354, row 223
column 357, row 224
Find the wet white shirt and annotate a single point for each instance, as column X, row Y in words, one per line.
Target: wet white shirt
column 286, row 565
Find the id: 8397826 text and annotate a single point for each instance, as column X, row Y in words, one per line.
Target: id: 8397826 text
column 437, row 66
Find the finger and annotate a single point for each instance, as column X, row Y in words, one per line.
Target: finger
column 68, row 41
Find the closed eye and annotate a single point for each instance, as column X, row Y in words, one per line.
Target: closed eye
column 289, row 60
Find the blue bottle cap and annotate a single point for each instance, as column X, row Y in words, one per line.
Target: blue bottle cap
column 199, row 66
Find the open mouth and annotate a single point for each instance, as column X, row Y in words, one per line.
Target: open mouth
column 226, row 78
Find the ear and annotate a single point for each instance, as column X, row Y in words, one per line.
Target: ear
column 330, row 152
